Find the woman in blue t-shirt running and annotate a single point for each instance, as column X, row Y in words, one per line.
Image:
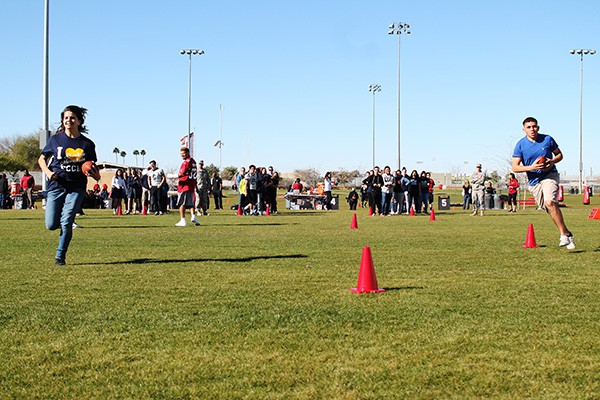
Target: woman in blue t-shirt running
column 61, row 162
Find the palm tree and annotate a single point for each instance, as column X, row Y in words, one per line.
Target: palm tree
column 143, row 153
column 116, row 151
column 136, row 153
column 123, row 154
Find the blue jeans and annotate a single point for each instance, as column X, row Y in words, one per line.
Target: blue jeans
column 424, row 204
column 386, row 198
column 61, row 207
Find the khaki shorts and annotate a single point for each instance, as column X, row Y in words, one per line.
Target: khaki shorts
column 546, row 189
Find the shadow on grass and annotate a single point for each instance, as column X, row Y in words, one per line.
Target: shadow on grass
column 404, row 288
column 196, row 260
column 87, row 227
column 258, row 224
column 22, row 218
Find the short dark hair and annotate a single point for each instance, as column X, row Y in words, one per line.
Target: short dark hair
column 529, row 119
column 186, row 149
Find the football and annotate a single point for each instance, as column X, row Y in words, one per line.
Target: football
column 540, row 160
column 89, row 168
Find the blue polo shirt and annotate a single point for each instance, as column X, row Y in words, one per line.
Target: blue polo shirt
column 529, row 151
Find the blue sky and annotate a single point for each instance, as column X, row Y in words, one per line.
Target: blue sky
column 293, row 79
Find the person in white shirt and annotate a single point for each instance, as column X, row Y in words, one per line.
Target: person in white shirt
column 386, row 191
column 156, row 178
column 328, row 184
column 117, row 192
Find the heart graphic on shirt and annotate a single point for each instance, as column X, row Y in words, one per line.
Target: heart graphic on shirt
column 74, row 154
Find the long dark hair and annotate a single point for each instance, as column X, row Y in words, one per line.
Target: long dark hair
column 80, row 112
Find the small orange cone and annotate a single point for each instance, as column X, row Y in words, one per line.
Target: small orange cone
column 367, row 281
column 586, row 195
column 530, row 239
column 432, row 215
column 354, row 223
column 412, row 211
column 268, row 211
column 144, row 211
column 119, row 210
column 239, row 212
column 370, row 211
column 595, row 214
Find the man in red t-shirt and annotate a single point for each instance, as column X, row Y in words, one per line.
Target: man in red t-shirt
column 186, row 186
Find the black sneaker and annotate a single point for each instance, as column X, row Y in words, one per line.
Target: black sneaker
column 60, row 262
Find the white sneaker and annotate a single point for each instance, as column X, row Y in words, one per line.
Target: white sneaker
column 181, row 223
column 567, row 241
column 195, row 221
column 75, row 226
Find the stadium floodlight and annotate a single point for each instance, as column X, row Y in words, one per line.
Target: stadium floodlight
column 190, row 52
column 398, row 29
column 581, row 53
column 374, row 88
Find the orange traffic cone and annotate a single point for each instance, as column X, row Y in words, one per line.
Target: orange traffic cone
column 268, row 211
column 530, row 239
column 595, row 214
column 586, row 195
column 412, row 211
column 370, row 211
column 367, row 281
column 354, row 223
column 561, row 193
column 144, row 211
column 119, row 210
column 432, row 215
column 239, row 212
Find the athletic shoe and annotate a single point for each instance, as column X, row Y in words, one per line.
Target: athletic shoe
column 195, row 221
column 75, row 226
column 567, row 241
column 571, row 244
column 60, row 262
column 181, row 223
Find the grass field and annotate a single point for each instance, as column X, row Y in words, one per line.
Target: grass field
column 260, row 307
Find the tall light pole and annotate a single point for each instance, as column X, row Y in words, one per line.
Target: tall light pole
column 45, row 134
column 398, row 29
column 374, row 89
column 581, row 52
column 190, row 53
column 219, row 142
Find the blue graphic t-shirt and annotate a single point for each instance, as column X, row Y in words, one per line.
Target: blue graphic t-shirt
column 66, row 155
column 530, row 151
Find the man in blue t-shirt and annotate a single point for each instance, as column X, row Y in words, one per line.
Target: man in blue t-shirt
column 537, row 155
